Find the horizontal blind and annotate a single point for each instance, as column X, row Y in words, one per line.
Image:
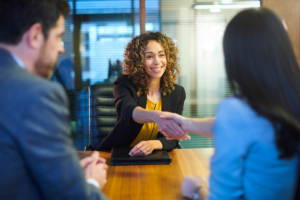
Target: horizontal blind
column 197, row 27
column 106, row 26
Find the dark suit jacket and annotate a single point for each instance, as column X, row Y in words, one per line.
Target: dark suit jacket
column 37, row 159
column 126, row 129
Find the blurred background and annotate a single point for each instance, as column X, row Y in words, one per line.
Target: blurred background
column 97, row 32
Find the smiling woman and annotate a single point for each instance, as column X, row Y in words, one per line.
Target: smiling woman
column 136, row 57
column 145, row 89
column 155, row 59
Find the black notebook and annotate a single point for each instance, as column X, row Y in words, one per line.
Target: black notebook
column 120, row 156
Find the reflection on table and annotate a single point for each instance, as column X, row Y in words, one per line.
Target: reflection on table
column 142, row 182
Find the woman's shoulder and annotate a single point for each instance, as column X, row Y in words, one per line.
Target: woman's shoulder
column 177, row 93
column 237, row 109
column 178, row 89
column 236, row 104
column 241, row 121
column 124, row 80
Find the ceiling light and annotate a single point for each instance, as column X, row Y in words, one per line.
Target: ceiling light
column 234, row 5
column 226, row 1
column 215, row 10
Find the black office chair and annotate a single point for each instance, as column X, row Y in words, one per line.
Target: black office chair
column 297, row 186
column 179, row 146
column 102, row 114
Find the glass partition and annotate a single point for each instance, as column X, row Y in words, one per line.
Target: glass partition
column 105, row 28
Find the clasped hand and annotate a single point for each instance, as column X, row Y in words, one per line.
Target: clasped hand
column 95, row 168
column 189, row 185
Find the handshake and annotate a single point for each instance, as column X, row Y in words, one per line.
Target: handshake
column 176, row 127
column 173, row 126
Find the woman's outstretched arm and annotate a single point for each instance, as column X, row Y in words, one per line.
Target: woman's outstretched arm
column 203, row 127
column 141, row 116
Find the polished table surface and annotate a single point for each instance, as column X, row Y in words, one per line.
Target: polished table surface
column 142, row 182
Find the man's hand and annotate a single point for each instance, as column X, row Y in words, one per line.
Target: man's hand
column 180, row 121
column 95, row 168
column 87, row 160
column 170, row 128
column 190, row 184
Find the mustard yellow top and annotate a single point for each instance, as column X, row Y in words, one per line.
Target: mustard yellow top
column 149, row 131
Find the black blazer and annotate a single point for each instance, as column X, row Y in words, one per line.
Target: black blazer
column 126, row 129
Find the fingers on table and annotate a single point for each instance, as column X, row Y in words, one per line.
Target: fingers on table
column 136, row 148
column 141, row 153
column 141, row 149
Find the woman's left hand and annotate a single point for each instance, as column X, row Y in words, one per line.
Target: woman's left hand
column 143, row 148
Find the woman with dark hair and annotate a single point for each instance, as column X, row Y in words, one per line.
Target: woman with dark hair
column 257, row 131
column 146, row 88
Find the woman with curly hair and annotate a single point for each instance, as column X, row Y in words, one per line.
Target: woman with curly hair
column 147, row 87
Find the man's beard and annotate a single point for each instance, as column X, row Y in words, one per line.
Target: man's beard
column 44, row 66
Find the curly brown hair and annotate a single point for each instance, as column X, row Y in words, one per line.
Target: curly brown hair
column 134, row 65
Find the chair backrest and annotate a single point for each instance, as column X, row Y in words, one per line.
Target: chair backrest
column 102, row 113
column 297, row 186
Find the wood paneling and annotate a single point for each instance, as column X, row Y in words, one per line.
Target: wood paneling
column 159, row 182
column 143, row 16
column 289, row 10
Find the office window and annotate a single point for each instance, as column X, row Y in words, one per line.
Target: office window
column 104, row 27
column 197, row 27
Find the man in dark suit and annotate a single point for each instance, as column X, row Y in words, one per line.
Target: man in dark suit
column 37, row 159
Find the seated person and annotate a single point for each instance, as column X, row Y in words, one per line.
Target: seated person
column 257, row 131
column 146, row 88
column 37, row 157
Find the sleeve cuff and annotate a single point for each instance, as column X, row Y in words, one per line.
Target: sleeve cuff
column 168, row 145
column 93, row 182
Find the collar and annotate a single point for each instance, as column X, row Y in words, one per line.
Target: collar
column 19, row 61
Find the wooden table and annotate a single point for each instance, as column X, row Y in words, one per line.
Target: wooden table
column 142, row 182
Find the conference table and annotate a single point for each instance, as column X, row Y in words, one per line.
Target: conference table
column 159, row 182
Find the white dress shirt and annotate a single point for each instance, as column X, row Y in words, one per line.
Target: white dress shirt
column 19, row 61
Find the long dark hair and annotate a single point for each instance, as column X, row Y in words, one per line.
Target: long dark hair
column 261, row 66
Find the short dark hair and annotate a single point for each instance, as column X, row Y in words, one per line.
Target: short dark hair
column 261, row 66
column 17, row 16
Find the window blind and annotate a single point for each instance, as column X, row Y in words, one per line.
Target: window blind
column 106, row 26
